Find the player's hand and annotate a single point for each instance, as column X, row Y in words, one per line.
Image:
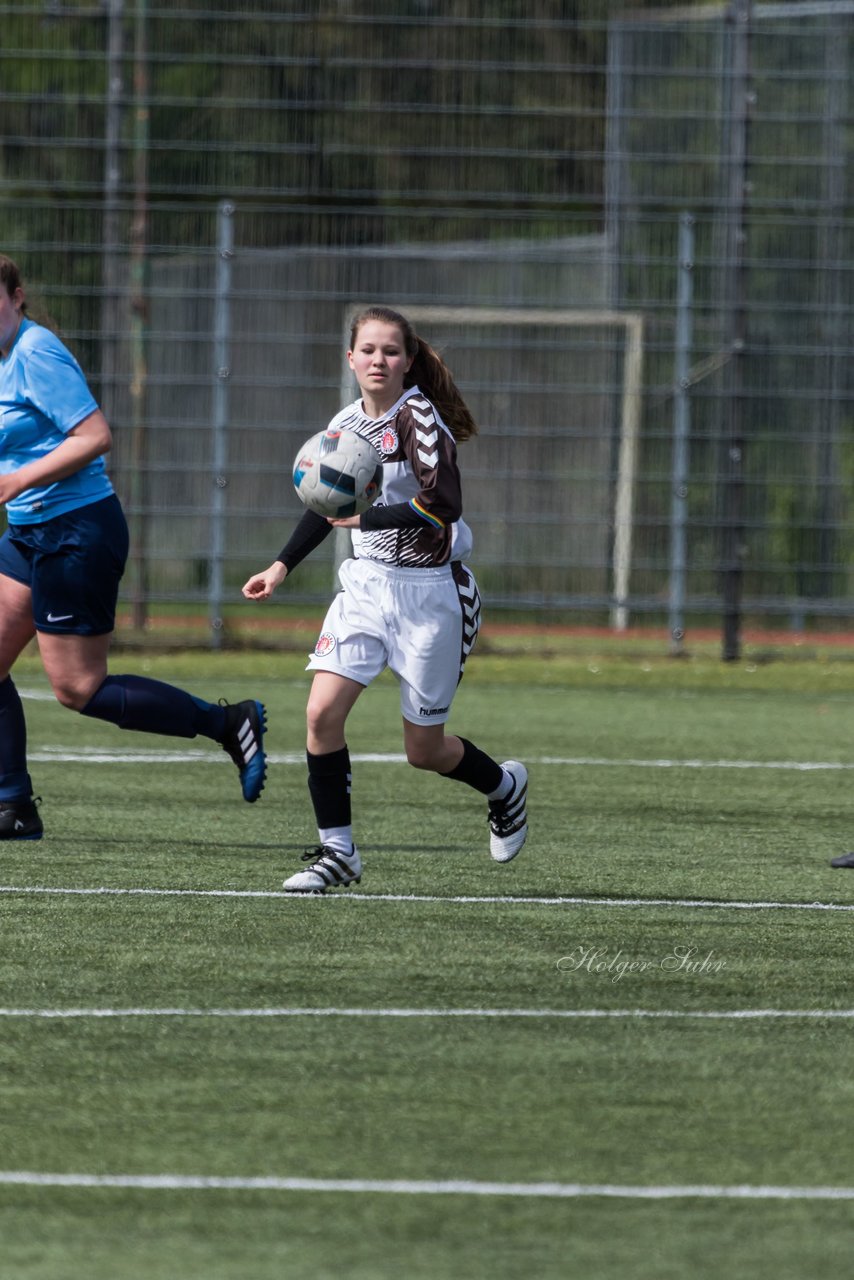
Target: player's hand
column 351, row 522
column 262, row 585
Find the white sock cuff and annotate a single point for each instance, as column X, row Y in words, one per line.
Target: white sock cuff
column 502, row 791
column 338, row 838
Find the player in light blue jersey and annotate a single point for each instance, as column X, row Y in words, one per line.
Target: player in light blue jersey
column 61, row 560
column 408, row 602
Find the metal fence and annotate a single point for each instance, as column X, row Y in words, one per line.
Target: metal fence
column 629, row 231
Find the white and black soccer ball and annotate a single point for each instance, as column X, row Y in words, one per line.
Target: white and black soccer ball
column 338, row 474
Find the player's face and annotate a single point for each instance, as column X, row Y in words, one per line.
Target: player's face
column 380, row 362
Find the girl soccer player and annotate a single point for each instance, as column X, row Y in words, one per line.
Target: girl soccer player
column 61, row 559
column 408, row 600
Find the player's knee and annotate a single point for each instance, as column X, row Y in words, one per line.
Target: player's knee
column 75, row 692
column 70, row 695
column 322, row 721
column 422, row 756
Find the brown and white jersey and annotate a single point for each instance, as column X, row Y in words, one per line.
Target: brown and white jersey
column 419, row 470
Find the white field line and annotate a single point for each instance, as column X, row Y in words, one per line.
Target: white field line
column 187, row 755
column 400, row 1186
column 458, row 900
column 725, row 1015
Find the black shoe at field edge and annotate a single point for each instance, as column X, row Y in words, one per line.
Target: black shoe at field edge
column 19, row 820
column 844, row 860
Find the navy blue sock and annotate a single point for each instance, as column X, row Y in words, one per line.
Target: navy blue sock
column 150, row 706
column 15, row 782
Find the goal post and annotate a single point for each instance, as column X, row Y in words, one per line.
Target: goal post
column 631, row 391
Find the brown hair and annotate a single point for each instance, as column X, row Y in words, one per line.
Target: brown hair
column 428, row 371
column 10, row 277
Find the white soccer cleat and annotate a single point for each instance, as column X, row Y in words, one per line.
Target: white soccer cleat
column 330, row 869
column 508, row 818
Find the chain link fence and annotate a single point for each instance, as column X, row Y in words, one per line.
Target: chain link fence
column 629, row 230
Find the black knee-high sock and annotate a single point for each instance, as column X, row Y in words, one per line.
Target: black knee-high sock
column 329, row 787
column 477, row 769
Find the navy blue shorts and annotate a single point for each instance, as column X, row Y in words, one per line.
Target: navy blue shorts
column 73, row 565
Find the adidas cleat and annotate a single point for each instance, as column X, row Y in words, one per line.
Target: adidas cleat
column 330, row 869
column 19, row 820
column 508, row 818
column 245, row 725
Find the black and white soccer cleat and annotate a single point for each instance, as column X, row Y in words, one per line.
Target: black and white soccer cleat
column 508, row 818
column 330, row 869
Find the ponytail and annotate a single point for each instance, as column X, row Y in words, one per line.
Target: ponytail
column 429, row 372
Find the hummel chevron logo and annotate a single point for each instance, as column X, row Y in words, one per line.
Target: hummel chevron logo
column 429, row 454
column 426, row 419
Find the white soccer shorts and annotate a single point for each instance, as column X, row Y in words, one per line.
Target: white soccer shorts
column 420, row 623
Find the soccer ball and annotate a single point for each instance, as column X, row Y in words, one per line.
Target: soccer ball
column 338, row 474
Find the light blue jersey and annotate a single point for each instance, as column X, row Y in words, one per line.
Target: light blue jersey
column 43, row 396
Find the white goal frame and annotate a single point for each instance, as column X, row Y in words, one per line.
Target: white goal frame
column 630, row 409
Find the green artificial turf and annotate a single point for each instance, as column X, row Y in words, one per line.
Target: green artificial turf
column 683, row 815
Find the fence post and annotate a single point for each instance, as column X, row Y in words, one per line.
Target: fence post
column 343, row 537
column 219, row 426
column 733, row 550
column 111, row 314
column 681, row 430
column 139, row 590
